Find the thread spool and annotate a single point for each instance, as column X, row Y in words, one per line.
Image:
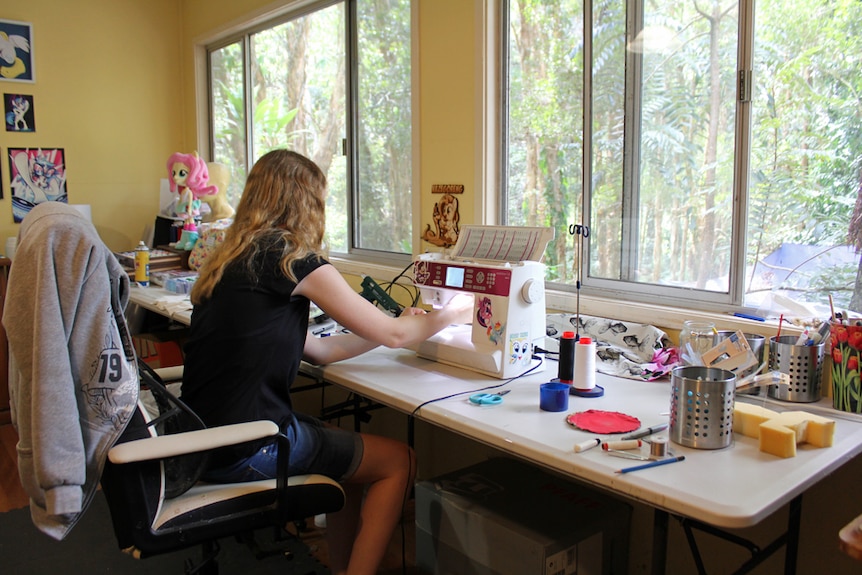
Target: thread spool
column 585, row 364
column 658, row 447
column 567, row 357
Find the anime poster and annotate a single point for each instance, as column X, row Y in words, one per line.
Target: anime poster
column 20, row 116
column 36, row 175
column 16, row 51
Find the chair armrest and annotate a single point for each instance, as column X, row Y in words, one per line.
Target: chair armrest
column 190, row 441
column 170, row 374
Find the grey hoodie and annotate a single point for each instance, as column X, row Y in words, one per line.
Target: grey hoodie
column 75, row 380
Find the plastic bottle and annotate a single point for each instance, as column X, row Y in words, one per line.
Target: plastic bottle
column 142, row 264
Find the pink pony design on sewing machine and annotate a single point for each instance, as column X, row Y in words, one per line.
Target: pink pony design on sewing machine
column 188, row 178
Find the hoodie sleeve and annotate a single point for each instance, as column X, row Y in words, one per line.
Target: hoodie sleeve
column 39, row 316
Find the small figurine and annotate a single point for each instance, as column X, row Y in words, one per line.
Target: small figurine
column 219, row 207
column 188, row 178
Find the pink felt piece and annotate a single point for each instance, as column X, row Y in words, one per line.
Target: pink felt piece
column 598, row 421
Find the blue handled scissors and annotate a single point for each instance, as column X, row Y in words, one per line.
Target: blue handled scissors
column 488, row 398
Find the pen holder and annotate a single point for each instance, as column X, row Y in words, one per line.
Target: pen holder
column 701, row 406
column 803, row 364
column 845, row 349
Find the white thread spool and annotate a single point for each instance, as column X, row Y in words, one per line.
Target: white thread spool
column 585, row 364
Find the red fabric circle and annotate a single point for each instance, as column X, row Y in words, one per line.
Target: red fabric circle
column 599, row 421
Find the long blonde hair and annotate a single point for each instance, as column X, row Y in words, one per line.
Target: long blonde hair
column 283, row 200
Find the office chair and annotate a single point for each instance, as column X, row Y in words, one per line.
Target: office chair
column 157, row 503
column 76, row 382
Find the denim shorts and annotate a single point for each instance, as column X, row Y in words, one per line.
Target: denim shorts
column 314, row 448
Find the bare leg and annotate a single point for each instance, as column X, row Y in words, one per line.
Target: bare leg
column 388, row 468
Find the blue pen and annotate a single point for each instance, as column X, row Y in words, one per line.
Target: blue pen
column 652, row 464
column 749, row 316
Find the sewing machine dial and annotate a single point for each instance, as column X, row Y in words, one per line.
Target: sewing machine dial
column 531, row 291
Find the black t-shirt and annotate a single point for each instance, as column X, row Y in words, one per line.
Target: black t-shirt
column 245, row 344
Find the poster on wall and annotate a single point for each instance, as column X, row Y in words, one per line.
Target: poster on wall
column 16, row 51
column 20, row 115
column 36, row 175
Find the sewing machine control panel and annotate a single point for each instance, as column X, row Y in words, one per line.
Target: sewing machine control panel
column 476, row 279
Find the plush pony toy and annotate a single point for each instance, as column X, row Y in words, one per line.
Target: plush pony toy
column 219, row 206
column 188, row 178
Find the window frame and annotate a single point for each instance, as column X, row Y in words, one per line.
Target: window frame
column 242, row 33
column 666, row 296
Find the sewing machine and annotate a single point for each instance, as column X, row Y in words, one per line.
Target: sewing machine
column 501, row 267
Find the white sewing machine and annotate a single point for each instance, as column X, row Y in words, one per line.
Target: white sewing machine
column 501, row 267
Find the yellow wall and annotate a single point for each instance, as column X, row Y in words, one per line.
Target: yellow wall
column 108, row 92
column 115, row 88
column 447, row 63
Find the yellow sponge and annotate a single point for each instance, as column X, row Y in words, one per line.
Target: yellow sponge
column 780, row 439
column 747, row 418
column 780, row 434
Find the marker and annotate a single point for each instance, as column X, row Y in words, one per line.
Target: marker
column 652, row 464
column 589, row 444
column 647, row 431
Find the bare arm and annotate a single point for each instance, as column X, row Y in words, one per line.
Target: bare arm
column 369, row 326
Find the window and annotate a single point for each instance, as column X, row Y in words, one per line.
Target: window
column 332, row 82
column 713, row 149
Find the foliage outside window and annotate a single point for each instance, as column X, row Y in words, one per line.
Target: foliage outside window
column 699, row 188
column 292, row 84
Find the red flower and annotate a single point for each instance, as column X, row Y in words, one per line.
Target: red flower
column 839, row 333
column 855, row 339
column 836, row 356
column 853, row 363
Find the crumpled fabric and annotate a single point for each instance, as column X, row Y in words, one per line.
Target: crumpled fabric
column 625, row 349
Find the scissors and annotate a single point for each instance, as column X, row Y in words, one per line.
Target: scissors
column 488, row 398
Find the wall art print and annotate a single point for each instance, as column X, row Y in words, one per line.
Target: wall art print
column 16, row 51
column 36, row 175
column 20, row 114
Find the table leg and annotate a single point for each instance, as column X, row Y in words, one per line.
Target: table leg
column 659, row 541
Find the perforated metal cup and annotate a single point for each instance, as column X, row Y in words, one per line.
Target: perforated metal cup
column 803, row 364
column 701, row 407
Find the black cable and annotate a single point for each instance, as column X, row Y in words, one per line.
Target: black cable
column 505, row 382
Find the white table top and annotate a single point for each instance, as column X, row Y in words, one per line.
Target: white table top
column 162, row 301
column 734, row 487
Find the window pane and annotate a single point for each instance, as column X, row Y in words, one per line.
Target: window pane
column 298, row 101
column 384, row 157
column 688, row 115
column 228, row 115
column 608, row 124
column 806, row 151
column 545, row 127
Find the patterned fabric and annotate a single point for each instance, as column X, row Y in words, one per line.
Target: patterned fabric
column 211, row 235
column 625, row 349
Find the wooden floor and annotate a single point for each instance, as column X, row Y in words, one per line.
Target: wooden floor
column 12, row 496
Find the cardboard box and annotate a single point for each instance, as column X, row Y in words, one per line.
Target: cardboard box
column 504, row 517
column 159, row 349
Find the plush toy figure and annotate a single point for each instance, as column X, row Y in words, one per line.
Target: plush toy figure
column 188, row 177
column 219, row 206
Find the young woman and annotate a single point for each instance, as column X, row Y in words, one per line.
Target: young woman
column 249, row 334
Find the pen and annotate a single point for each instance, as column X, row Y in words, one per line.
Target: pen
column 647, row 431
column 652, row 464
column 587, row 445
column 749, row 316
